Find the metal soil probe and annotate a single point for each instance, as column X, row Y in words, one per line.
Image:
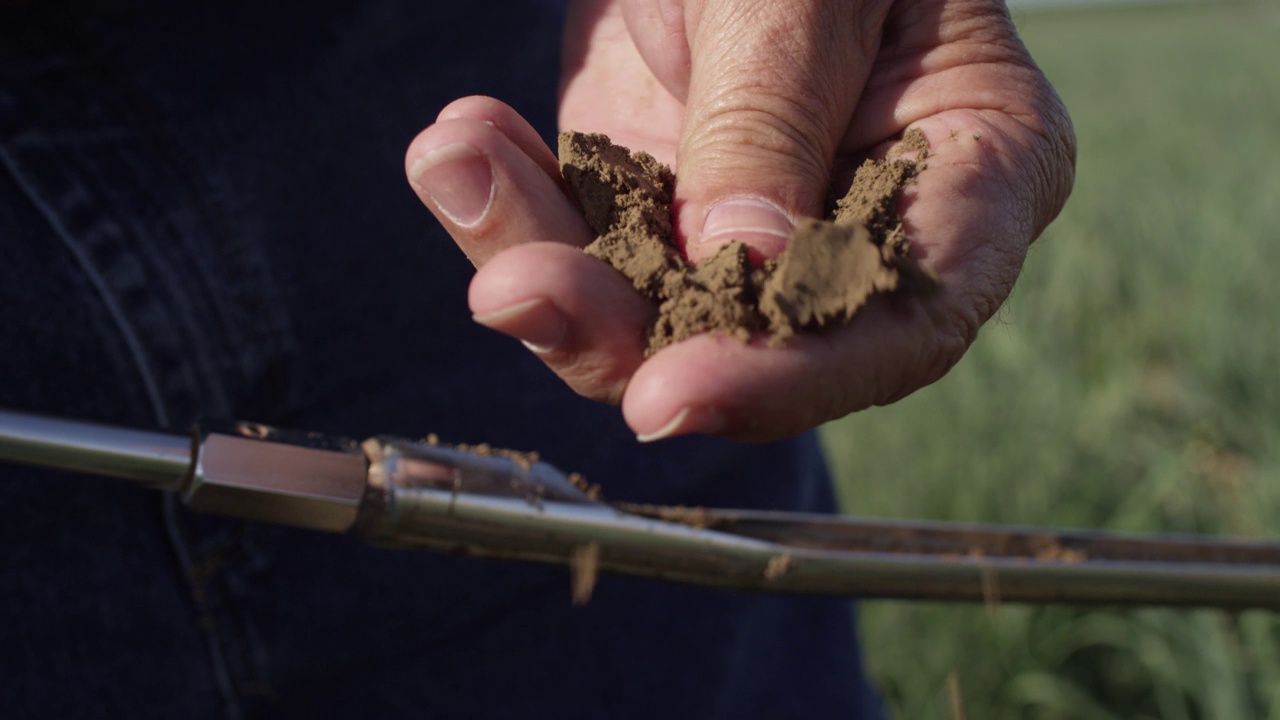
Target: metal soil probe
column 402, row 493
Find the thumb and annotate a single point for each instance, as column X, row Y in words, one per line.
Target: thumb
column 772, row 86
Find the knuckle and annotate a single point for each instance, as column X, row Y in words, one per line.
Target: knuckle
column 746, row 128
column 591, row 375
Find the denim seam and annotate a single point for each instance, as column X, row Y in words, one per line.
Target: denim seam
column 126, row 329
column 83, row 242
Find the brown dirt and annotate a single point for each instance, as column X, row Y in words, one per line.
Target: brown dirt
column 584, row 569
column 825, row 276
column 778, row 566
column 590, row 489
column 692, row 516
column 524, row 459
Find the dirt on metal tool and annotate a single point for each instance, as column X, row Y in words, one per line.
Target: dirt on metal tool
column 402, row 493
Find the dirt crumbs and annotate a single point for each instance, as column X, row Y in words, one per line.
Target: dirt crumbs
column 584, row 569
column 590, row 489
column 695, row 517
column 778, row 566
column 524, row 459
column 825, row 276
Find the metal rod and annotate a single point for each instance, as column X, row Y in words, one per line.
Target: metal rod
column 970, row 540
column 408, row 494
column 428, row 506
column 513, row 528
column 155, row 460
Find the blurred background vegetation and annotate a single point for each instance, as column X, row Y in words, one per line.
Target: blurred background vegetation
column 1130, row 383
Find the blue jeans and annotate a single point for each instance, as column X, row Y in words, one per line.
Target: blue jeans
column 203, row 214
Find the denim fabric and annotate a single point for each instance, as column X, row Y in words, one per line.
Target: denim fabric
column 203, row 214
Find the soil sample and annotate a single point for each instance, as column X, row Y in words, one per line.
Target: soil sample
column 825, row 275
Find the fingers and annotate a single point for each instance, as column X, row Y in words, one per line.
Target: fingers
column 491, row 182
column 495, row 186
column 587, row 323
column 658, row 27
column 507, row 121
column 772, row 88
column 580, row 316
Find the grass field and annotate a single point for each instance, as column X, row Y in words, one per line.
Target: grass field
column 1132, row 382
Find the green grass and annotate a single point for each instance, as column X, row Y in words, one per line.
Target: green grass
column 1132, row 382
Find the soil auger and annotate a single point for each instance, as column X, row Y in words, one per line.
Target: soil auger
column 402, row 493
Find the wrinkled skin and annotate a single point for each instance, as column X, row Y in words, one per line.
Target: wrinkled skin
column 773, row 101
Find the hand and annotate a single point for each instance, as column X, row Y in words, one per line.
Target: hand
column 759, row 105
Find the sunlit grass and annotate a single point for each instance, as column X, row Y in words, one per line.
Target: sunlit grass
column 1132, row 382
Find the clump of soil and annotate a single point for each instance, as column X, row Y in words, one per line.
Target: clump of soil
column 825, row 276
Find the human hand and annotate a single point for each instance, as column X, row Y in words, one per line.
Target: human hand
column 759, row 105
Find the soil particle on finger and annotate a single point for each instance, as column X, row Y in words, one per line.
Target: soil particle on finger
column 828, row 272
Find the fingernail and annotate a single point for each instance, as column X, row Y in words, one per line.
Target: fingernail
column 757, row 223
column 537, row 323
column 458, row 179
column 687, row 422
